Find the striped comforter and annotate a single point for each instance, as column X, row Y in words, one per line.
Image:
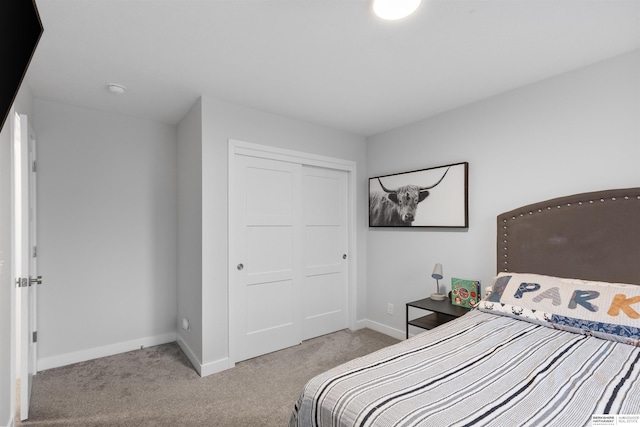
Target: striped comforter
column 481, row 369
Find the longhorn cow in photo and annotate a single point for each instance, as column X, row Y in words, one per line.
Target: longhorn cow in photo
column 397, row 207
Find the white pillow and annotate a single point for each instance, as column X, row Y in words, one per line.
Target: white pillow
column 605, row 310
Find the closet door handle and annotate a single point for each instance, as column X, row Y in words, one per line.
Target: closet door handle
column 240, row 266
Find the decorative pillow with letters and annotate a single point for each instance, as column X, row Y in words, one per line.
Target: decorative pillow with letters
column 604, row 310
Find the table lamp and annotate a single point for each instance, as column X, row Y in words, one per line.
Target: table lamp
column 437, row 274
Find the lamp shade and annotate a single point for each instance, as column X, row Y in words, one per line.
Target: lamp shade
column 437, row 271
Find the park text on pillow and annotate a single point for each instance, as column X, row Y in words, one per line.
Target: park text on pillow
column 604, row 310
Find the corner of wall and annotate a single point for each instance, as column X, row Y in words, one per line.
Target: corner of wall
column 189, row 287
column 191, row 355
column 204, row 369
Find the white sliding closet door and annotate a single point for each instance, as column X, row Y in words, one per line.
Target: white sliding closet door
column 325, row 240
column 267, row 241
column 288, row 248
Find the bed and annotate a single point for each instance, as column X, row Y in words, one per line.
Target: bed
column 555, row 342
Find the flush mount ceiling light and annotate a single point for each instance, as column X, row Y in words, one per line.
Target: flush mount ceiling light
column 116, row 88
column 395, row 9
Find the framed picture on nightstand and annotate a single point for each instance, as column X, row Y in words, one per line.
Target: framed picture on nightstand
column 465, row 293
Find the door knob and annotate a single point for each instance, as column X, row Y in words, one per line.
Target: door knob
column 344, row 256
column 240, row 267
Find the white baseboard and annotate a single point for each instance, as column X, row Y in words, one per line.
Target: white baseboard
column 360, row 324
column 382, row 328
column 195, row 362
column 216, row 366
column 203, row 369
column 108, row 350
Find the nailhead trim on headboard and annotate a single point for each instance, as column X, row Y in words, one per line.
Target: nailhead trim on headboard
column 514, row 217
column 506, row 220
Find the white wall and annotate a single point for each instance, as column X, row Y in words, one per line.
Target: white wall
column 107, row 229
column 220, row 122
column 577, row 132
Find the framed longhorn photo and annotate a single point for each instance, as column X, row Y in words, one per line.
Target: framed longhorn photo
column 434, row 197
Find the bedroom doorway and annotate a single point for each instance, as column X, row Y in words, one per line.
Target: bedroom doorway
column 289, row 240
column 24, row 256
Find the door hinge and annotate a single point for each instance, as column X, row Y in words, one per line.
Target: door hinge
column 35, row 336
column 34, row 168
column 35, row 251
column 22, row 282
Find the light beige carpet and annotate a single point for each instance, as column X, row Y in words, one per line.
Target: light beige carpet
column 157, row 386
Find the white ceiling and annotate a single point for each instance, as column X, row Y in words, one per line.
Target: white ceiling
column 330, row 62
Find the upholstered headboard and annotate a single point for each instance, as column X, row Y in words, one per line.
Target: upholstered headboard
column 590, row 236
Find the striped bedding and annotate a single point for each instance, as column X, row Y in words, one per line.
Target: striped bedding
column 481, row 369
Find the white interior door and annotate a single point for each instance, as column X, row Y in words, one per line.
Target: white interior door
column 325, row 242
column 25, row 250
column 265, row 250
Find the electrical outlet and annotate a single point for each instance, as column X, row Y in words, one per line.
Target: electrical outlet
column 389, row 308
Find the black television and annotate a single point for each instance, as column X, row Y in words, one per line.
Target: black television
column 21, row 29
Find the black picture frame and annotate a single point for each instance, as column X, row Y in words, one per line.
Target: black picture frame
column 436, row 197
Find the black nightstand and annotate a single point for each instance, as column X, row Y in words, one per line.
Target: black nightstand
column 443, row 312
